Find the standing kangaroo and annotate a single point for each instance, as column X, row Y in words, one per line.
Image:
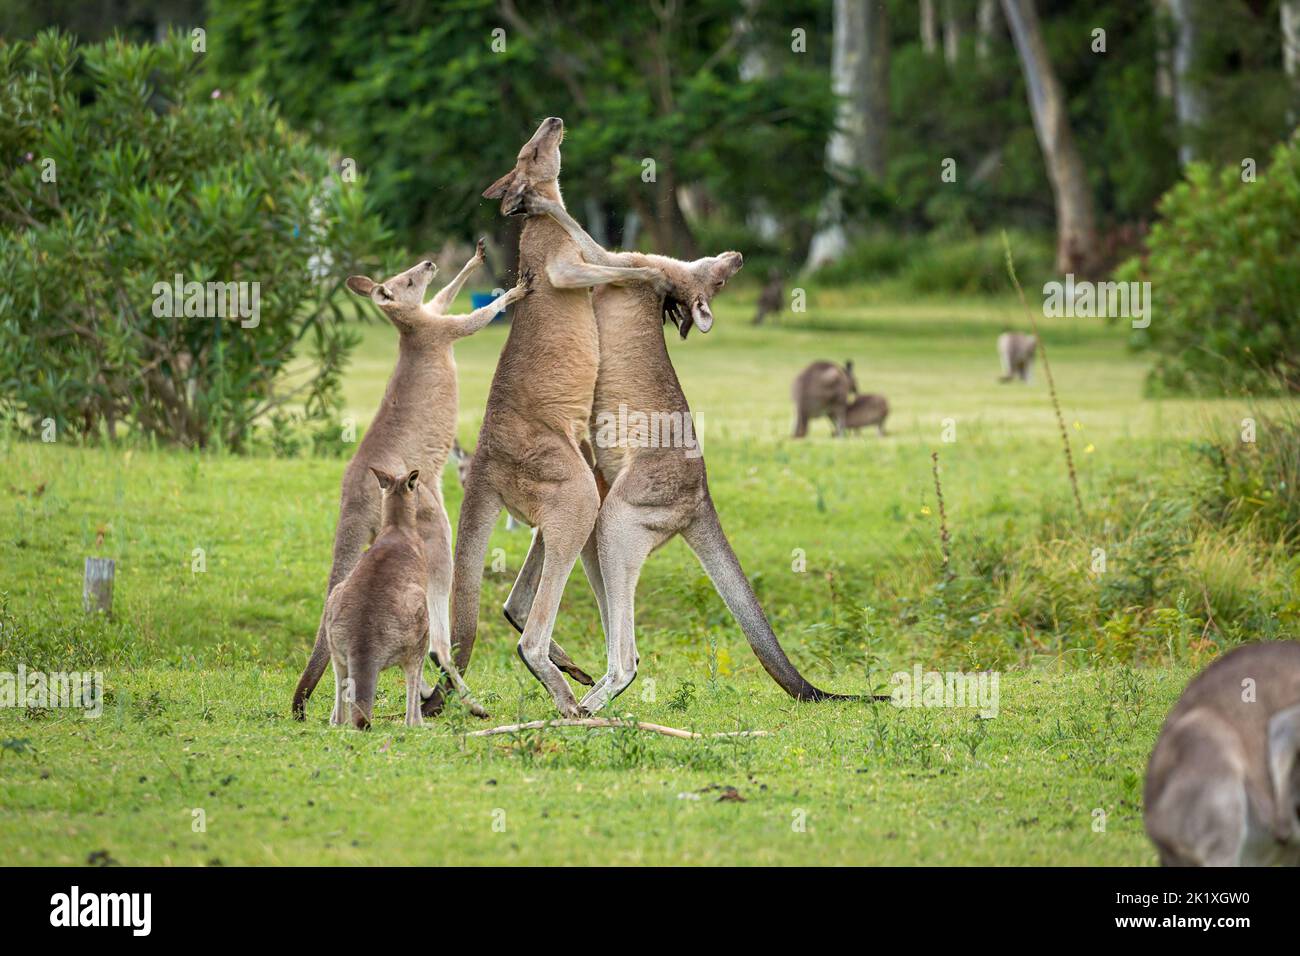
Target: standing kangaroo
column 528, row 458
column 378, row 616
column 414, row 426
column 657, row 483
column 1016, row 353
column 823, row 388
column 866, row 410
column 1223, row 783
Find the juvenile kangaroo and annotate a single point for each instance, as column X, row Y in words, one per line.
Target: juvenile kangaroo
column 1223, row 783
column 414, row 427
column 1016, row 353
column 378, row 616
column 867, row 410
column 771, row 299
column 823, row 388
column 528, row 458
column 657, row 482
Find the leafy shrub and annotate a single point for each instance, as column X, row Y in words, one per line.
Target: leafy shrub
column 122, row 170
column 1224, row 268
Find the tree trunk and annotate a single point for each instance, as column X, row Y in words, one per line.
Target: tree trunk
column 1076, row 230
column 951, row 32
column 986, row 25
column 929, row 27
column 1188, row 101
column 860, row 78
column 1291, row 51
column 1164, row 53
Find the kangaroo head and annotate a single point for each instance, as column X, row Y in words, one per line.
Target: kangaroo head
column 401, row 298
column 537, row 167
column 853, row 381
column 694, row 287
column 400, row 495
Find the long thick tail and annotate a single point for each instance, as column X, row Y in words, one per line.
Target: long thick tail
column 320, row 655
column 714, row 551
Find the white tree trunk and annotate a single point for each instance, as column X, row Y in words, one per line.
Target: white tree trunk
column 1164, row 51
column 1291, row 51
column 860, row 78
column 929, row 27
column 1076, row 231
column 951, row 32
column 986, row 24
column 1189, row 104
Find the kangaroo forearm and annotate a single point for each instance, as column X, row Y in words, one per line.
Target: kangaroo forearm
column 463, row 325
column 448, row 293
column 582, row 275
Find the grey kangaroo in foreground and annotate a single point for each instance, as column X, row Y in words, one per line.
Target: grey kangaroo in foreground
column 1016, row 353
column 1223, row 782
column 378, row 616
column 528, row 459
column 414, row 427
column 657, row 486
column 823, row 388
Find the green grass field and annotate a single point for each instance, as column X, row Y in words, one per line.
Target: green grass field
column 840, row 538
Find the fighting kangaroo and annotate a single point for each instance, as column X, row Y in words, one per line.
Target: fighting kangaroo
column 657, row 483
column 1223, row 783
column 528, row 458
column 414, row 427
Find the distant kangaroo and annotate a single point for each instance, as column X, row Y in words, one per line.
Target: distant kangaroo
column 823, row 388
column 378, row 616
column 1223, row 783
column 1016, row 352
column 867, row 410
column 772, row 299
column 528, row 458
column 657, row 483
column 413, row 427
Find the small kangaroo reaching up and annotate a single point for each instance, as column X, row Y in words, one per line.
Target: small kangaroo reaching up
column 823, row 388
column 867, row 410
column 655, row 493
column 414, row 426
column 1016, row 353
column 1223, row 782
column 378, row 616
column 528, row 458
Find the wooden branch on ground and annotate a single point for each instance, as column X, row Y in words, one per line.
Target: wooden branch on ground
column 607, row 722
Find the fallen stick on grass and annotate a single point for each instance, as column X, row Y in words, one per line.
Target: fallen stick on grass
column 606, row 722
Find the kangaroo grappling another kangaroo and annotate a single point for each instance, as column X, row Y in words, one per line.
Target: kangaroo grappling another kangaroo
column 528, row 459
column 656, row 489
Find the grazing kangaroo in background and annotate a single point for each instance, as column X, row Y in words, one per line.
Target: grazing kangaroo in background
column 866, row 410
column 657, row 483
column 772, row 299
column 414, row 427
column 1223, row 783
column 528, row 457
column 378, row 616
column 823, row 388
column 1016, row 352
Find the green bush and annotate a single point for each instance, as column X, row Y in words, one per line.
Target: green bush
column 1224, row 268
column 124, row 169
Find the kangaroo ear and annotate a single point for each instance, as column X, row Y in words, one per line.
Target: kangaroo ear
column 361, row 285
column 499, row 188
column 848, row 366
column 385, row 480
column 412, row 479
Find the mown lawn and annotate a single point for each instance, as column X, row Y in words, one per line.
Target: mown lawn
column 200, row 664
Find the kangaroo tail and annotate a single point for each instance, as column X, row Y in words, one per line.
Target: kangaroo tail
column 705, row 537
column 364, row 676
column 320, row 655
